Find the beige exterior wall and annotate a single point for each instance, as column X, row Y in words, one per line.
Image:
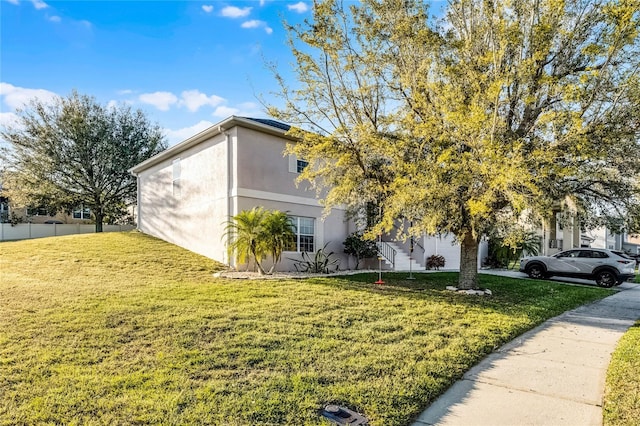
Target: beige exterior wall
column 262, row 165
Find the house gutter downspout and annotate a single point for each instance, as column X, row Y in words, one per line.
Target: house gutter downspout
column 138, row 202
column 227, row 140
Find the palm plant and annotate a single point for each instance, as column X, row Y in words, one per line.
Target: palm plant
column 246, row 236
column 278, row 232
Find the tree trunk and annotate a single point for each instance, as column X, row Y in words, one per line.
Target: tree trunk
column 468, row 278
column 257, row 263
column 99, row 219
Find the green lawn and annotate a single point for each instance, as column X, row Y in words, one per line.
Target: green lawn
column 121, row 328
column 622, row 397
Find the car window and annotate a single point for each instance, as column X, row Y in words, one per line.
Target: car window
column 586, row 253
column 569, row 253
column 599, row 254
column 621, row 254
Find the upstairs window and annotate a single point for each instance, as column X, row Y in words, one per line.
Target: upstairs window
column 37, row 211
column 300, row 165
column 82, row 213
column 296, row 165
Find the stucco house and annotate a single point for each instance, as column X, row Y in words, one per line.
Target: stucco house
column 187, row 193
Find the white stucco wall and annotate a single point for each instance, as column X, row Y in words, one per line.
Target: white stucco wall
column 447, row 247
column 194, row 217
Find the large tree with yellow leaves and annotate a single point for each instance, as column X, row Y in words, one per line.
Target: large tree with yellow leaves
column 461, row 123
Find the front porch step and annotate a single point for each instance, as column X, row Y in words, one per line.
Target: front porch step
column 403, row 260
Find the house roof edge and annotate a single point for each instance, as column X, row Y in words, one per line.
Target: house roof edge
column 206, row 134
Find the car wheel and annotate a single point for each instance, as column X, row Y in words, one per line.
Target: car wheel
column 606, row 279
column 536, row 271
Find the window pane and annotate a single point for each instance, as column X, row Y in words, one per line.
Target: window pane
column 306, row 243
column 304, row 230
column 306, row 226
column 300, row 165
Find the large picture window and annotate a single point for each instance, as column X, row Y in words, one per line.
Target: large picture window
column 304, row 229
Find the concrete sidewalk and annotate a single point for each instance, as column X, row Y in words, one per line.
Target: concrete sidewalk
column 551, row 375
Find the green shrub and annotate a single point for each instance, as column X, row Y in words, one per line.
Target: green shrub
column 356, row 246
column 320, row 263
column 435, row 261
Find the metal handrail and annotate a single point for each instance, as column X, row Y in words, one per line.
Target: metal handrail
column 387, row 252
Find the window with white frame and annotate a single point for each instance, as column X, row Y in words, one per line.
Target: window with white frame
column 304, row 230
column 296, row 165
column 82, row 213
column 300, row 165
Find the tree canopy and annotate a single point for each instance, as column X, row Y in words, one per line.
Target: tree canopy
column 463, row 122
column 74, row 152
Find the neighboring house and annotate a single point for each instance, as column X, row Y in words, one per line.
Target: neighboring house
column 188, row 193
column 41, row 215
column 631, row 243
column 562, row 231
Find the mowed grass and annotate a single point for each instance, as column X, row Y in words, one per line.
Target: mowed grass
column 122, row 328
column 622, row 396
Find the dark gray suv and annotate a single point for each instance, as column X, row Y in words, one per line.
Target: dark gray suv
column 606, row 267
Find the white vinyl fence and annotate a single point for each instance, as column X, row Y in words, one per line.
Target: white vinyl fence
column 24, row 231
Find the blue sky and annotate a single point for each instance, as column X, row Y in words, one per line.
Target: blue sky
column 187, row 64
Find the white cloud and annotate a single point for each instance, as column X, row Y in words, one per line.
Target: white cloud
column 14, row 1
column 39, row 4
column 8, row 119
column 254, row 23
column 194, row 99
column 112, row 104
column 236, row 12
column 55, row 18
column 245, row 109
column 300, row 7
column 207, row 8
column 175, row 136
column 16, row 97
column 249, row 106
column 225, row 111
column 160, row 100
column 124, row 92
